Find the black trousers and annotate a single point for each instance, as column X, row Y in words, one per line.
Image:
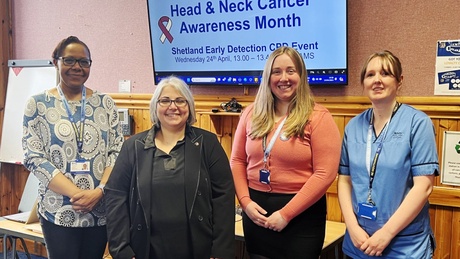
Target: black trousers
column 302, row 238
column 73, row 243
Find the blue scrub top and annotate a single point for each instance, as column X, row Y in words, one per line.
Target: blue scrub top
column 408, row 150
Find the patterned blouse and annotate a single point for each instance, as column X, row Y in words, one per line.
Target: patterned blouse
column 49, row 143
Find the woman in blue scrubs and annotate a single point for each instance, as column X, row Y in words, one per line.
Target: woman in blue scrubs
column 387, row 169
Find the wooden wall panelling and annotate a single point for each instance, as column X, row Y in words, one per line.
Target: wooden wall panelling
column 132, row 101
column 209, row 123
column 215, row 124
column 227, row 134
column 439, row 107
column 445, row 196
column 439, row 136
column 19, row 181
column 146, row 121
column 235, row 121
column 204, row 122
column 443, row 235
column 222, row 124
column 13, row 179
column 444, row 111
column 137, row 120
column 455, row 239
column 340, row 121
column 5, row 191
column 205, row 103
column 141, row 119
column 333, row 208
column 432, row 213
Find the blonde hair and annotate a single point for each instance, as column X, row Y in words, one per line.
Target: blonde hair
column 300, row 108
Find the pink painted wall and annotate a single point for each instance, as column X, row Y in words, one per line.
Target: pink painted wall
column 117, row 33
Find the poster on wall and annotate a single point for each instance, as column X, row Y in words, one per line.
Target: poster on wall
column 447, row 74
column 450, row 170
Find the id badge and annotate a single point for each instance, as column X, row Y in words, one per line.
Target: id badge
column 80, row 167
column 264, row 176
column 367, row 211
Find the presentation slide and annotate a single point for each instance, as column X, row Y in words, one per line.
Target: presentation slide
column 215, row 37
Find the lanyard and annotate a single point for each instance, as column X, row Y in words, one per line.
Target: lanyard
column 78, row 133
column 371, row 169
column 272, row 142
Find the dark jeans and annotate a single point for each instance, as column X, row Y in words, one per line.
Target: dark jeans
column 73, row 243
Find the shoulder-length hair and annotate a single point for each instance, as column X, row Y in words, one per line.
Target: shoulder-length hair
column 390, row 64
column 182, row 88
column 300, row 108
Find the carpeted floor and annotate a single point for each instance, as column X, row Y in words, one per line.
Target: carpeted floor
column 22, row 256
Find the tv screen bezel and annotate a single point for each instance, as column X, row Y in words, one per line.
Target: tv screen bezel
column 316, row 77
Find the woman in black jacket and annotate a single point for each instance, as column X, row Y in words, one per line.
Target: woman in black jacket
column 171, row 192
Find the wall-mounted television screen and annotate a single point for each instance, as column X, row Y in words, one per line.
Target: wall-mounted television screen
column 227, row 42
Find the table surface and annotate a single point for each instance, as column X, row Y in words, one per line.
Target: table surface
column 18, row 229
column 334, row 231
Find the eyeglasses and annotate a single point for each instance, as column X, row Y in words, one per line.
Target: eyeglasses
column 166, row 102
column 69, row 61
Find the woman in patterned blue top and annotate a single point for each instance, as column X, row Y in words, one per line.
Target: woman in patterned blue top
column 387, row 168
column 71, row 141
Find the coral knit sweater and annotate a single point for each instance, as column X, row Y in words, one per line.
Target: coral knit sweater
column 304, row 166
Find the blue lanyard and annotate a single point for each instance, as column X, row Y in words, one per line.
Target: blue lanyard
column 78, row 132
column 272, row 142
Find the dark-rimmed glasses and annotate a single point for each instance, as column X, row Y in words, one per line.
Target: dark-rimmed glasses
column 166, row 102
column 69, row 61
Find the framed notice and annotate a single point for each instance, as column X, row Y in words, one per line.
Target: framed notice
column 450, row 171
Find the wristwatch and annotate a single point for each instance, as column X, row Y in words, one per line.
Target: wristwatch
column 101, row 186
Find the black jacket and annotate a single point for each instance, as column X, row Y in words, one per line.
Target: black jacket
column 209, row 191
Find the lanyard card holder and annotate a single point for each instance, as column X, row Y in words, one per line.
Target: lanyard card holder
column 367, row 211
column 80, row 166
column 264, row 176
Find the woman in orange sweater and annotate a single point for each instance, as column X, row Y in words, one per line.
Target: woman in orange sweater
column 284, row 157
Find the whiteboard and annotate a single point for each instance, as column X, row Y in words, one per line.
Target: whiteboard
column 25, row 78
